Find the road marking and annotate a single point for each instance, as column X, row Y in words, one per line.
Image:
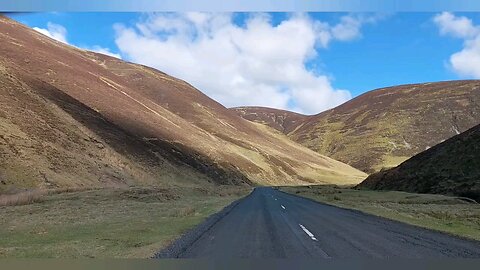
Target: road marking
column 275, row 199
column 283, row 207
column 308, row 232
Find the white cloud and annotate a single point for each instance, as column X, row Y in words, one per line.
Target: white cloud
column 461, row 27
column 466, row 62
column 347, row 29
column 259, row 63
column 59, row 33
column 54, row 31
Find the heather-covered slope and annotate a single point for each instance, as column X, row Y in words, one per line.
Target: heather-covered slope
column 281, row 120
column 452, row 167
column 384, row 127
column 72, row 117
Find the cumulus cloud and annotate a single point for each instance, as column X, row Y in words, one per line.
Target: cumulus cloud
column 466, row 62
column 54, row 31
column 256, row 63
column 59, row 33
column 461, row 27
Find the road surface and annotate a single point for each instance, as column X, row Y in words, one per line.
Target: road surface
column 272, row 224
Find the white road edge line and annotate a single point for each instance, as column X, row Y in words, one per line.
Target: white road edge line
column 308, row 232
column 283, row 207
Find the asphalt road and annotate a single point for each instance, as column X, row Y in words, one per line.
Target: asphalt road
column 272, row 224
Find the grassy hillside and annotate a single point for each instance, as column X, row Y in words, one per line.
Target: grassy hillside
column 452, row 167
column 50, row 140
column 382, row 128
column 281, row 120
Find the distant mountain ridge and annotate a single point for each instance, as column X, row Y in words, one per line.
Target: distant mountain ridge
column 281, row 120
column 452, row 167
column 384, row 127
column 70, row 117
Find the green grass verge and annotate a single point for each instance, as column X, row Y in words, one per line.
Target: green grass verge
column 113, row 223
column 437, row 212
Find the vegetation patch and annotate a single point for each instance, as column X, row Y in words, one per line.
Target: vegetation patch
column 107, row 223
column 149, row 194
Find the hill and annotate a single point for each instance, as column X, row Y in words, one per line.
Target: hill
column 281, row 120
column 70, row 117
column 384, row 127
column 452, row 167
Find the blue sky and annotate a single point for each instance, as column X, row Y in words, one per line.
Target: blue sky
column 385, row 50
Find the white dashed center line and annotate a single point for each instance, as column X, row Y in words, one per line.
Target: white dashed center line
column 308, row 232
column 283, row 207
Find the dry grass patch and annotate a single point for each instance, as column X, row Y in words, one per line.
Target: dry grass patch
column 22, row 198
column 33, row 196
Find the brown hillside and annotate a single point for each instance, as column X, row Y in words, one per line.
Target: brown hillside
column 452, row 167
column 174, row 121
column 384, row 127
column 281, row 120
